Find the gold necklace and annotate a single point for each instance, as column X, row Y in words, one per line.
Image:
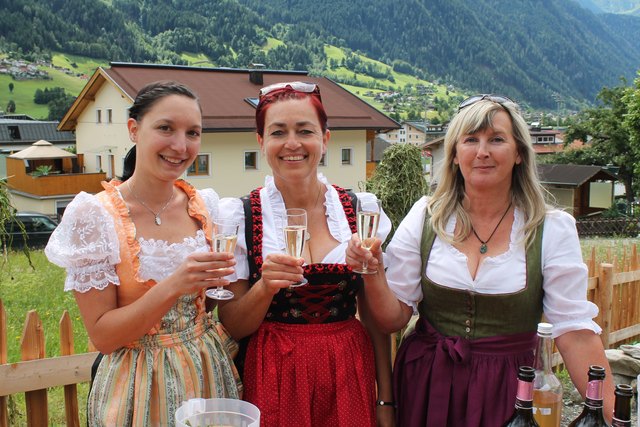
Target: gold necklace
column 483, row 246
column 144, row 205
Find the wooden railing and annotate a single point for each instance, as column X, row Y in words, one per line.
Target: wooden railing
column 614, row 288
column 624, row 226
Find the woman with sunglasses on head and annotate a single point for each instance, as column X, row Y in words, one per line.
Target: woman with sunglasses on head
column 138, row 259
column 481, row 260
column 309, row 361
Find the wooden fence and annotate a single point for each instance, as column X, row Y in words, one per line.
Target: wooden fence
column 614, row 287
column 624, row 226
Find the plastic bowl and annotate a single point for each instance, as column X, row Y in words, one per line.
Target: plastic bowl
column 217, row 413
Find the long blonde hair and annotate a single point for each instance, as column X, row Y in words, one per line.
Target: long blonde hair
column 527, row 193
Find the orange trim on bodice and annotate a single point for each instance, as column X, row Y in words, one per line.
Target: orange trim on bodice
column 131, row 286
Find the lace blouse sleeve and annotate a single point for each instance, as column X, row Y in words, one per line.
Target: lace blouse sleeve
column 85, row 243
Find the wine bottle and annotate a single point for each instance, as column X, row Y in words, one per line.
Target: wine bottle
column 547, row 388
column 523, row 413
column 591, row 415
column 622, row 407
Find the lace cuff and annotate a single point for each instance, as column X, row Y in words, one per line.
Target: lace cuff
column 97, row 276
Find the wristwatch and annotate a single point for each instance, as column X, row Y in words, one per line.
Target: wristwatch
column 384, row 403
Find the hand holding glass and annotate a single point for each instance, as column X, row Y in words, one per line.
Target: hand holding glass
column 295, row 233
column 368, row 215
column 225, row 236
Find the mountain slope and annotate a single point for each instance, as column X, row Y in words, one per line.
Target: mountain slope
column 531, row 50
column 526, row 48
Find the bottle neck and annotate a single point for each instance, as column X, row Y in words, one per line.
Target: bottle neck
column 524, row 396
column 622, row 411
column 544, row 350
column 593, row 397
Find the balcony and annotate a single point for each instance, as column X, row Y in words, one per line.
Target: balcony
column 63, row 178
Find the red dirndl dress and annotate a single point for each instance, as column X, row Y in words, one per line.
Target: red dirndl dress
column 311, row 362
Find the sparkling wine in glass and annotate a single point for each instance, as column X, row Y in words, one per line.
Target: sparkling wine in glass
column 368, row 216
column 225, row 236
column 295, row 234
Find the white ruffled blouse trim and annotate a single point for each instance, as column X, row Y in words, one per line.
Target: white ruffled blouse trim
column 86, row 244
column 514, row 240
column 338, row 228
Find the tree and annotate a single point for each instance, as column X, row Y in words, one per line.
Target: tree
column 59, row 106
column 398, row 181
column 11, row 106
column 632, row 120
column 11, row 87
column 609, row 143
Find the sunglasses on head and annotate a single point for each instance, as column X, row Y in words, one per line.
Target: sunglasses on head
column 296, row 86
column 498, row 99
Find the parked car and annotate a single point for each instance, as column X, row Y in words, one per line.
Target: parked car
column 38, row 228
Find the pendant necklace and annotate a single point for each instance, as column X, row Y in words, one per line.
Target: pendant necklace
column 144, row 205
column 483, row 246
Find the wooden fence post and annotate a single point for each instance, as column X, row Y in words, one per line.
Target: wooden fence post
column 605, row 292
column 4, row 414
column 32, row 348
column 71, row 390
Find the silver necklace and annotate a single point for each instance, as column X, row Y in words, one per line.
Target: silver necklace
column 144, row 205
column 308, row 235
column 483, row 246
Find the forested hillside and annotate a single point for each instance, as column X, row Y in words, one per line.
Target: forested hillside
column 529, row 49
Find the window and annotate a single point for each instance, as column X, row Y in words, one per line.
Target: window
column 250, row 160
column 346, row 156
column 323, row 160
column 98, row 116
column 109, row 115
column 14, row 132
column 200, row 166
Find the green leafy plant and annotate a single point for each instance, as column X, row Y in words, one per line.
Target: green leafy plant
column 399, row 181
column 8, row 219
column 42, row 170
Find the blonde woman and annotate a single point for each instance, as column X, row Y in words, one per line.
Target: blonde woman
column 481, row 261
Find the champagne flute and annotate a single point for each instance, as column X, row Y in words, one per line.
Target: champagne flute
column 225, row 236
column 295, row 233
column 368, row 214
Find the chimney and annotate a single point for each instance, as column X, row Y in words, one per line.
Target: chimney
column 255, row 73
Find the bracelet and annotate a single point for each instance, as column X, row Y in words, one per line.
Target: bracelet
column 384, row 403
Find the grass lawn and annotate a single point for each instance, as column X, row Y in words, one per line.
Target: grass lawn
column 23, row 289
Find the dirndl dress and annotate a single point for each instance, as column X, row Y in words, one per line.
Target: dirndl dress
column 459, row 367
column 186, row 355
column 311, row 362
